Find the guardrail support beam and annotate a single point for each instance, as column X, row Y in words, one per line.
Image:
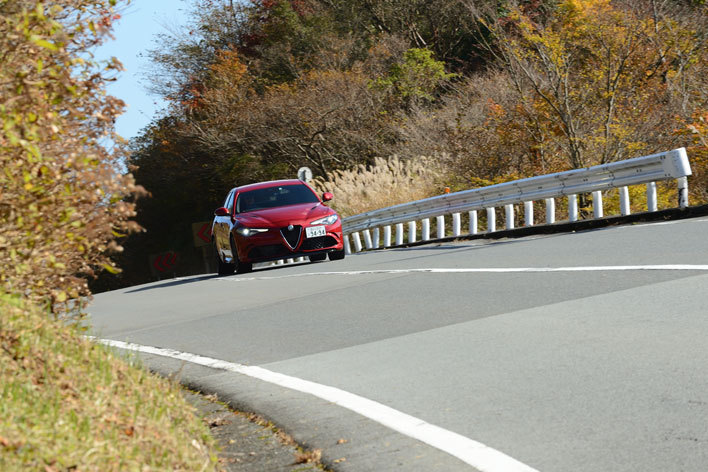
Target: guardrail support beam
column 624, row 201
column 474, row 223
column 491, row 220
column 509, row 213
column 528, row 213
column 411, row 232
column 377, row 237
column 441, row 226
column 357, row 242
column 456, row 225
column 347, row 247
column 597, row 204
column 425, row 236
column 367, row 239
column 651, row 197
column 573, row 207
column 683, row 192
column 387, row 236
column 399, row 234
column 550, row 211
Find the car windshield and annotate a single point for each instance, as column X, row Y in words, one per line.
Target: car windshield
column 272, row 197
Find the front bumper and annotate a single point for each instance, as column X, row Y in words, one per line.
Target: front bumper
column 273, row 245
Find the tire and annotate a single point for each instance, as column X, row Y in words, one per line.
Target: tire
column 241, row 267
column 318, row 257
column 336, row 255
column 223, row 268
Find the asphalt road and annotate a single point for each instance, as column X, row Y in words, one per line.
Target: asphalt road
column 596, row 365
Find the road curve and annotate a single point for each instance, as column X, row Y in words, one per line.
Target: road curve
column 580, row 351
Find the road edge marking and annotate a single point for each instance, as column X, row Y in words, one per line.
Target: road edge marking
column 474, row 453
column 483, row 270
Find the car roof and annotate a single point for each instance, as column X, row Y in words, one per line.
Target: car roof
column 272, row 183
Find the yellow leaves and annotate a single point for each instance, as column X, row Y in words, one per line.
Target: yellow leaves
column 43, row 43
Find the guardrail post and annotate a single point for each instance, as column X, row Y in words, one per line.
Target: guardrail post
column 624, row 201
column 528, row 213
column 411, row 231
column 441, row 226
column 573, row 207
column 357, row 242
column 473, row 222
column 387, row 236
column 651, row 197
column 399, row 234
column 550, row 211
column 425, row 229
column 367, row 239
column 597, row 204
column 491, row 220
column 509, row 212
column 347, row 247
column 377, row 237
column 683, row 192
column 456, row 224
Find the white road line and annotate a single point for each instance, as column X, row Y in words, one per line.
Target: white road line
column 476, row 454
column 491, row 270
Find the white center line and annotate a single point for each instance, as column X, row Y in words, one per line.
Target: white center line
column 482, row 270
column 474, row 453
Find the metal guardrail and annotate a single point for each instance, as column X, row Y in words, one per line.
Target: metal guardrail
column 641, row 170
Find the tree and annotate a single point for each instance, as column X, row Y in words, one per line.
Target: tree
column 602, row 76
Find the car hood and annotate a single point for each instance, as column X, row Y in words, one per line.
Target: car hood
column 301, row 214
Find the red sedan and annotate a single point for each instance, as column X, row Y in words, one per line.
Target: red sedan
column 275, row 220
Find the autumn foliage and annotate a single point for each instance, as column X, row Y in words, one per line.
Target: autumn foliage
column 62, row 193
column 494, row 90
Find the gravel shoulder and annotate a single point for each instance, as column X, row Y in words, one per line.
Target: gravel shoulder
column 250, row 443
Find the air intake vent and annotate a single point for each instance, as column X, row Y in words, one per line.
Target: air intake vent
column 322, row 242
column 292, row 237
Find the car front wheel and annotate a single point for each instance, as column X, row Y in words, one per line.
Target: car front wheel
column 336, row 255
column 241, row 267
column 318, row 257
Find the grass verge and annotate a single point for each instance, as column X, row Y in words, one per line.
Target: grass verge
column 67, row 403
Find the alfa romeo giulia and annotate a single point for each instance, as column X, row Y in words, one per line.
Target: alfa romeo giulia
column 274, row 220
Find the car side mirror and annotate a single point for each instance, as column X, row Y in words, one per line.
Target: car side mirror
column 327, row 196
column 221, row 211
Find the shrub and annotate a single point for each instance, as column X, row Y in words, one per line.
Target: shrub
column 62, row 195
column 385, row 183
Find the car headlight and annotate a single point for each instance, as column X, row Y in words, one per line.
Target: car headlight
column 250, row 231
column 327, row 220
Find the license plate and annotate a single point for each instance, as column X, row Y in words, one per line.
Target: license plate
column 315, row 231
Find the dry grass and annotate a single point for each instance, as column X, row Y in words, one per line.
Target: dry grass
column 388, row 182
column 67, row 403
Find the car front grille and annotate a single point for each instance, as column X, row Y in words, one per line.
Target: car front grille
column 321, row 242
column 292, row 237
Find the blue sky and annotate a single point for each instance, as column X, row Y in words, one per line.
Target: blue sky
column 135, row 33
